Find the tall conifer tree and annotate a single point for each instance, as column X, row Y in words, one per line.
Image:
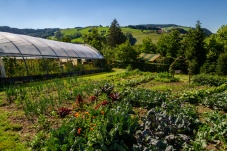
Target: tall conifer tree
column 115, row 36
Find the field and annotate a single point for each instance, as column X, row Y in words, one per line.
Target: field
column 138, row 34
column 119, row 110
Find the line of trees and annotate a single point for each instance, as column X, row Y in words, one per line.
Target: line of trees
column 204, row 54
column 43, row 33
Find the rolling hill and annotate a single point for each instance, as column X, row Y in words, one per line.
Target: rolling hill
column 154, row 31
column 138, row 34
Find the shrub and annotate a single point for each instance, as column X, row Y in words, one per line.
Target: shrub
column 208, row 68
column 212, row 80
column 129, row 68
column 222, row 64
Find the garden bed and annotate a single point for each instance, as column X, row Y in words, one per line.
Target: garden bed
column 128, row 111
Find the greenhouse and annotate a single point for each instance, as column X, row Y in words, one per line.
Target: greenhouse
column 26, row 56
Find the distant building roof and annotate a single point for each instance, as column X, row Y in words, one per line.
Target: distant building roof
column 149, row 57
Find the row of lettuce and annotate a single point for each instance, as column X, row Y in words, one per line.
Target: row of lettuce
column 106, row 114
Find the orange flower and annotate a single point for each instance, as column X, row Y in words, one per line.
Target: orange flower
column 92, row 125
column 79, row 130
column 102, row 112
column 76, row 114
column 86, row 113
column 92, row 128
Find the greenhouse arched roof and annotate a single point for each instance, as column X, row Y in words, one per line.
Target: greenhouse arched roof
column 26, row 46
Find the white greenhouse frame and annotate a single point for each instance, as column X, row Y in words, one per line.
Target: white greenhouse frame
column 23, row 46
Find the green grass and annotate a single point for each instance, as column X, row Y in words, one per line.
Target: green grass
column 9, row 137
column 138, row 34
column 89, row 76
column 103, row 74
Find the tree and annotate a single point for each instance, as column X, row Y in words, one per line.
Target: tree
column 58, row 35
column 214, row 49
column 222, row 64
column 131, row 39
column 66, row 38
column 115, row 36
column 222, row 36
column 125, row 53
column 195, row 46
column 147, row 46
column 169, row 45
column 95, row 39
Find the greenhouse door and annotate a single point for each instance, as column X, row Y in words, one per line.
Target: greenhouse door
column 2, row 69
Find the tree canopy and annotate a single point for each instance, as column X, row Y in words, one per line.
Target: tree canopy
column 147, row 46
column 115, row 35
column 169, row 44
column 95, row 39
column 222, row 36
column 195, row 46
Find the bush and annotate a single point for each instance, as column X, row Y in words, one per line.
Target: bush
column 222, row 64
column 129, row 68
column 208, row 68
column 212, row 80
column 165, row 77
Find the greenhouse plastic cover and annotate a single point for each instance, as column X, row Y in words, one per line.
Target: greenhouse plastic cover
column 26, row 46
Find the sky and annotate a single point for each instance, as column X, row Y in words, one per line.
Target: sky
column 81, row 13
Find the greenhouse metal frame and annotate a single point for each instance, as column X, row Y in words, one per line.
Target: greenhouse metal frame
column 26, row 47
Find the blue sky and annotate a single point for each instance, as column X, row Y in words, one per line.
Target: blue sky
column 73, row 13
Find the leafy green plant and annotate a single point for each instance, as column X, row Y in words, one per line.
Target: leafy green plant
column 197, row 96
column 102, row 129
column 11, row 93
column 212, row 131
column 145, row 98
column 212, row 80
column 165, row 77
column 217, row 101
column 167, row 128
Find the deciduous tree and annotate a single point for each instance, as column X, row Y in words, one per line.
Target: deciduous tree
column 95, row 39
column 147, row 46
column 125, row 53
column 169, row 45
column 222, row 36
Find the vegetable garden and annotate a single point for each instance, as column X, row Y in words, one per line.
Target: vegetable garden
column 132, row 110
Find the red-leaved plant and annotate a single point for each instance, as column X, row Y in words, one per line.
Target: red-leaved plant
column 115, row 96
column 93, row 98
column 79, row 100
column 62, row 112
column 105, row 102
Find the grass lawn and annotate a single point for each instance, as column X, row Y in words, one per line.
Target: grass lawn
column 9, row 133
column 103, row 74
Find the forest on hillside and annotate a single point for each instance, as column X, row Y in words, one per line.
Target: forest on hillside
column 43, row 33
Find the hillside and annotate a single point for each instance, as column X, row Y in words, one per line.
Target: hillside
column 138, row 34
column 43, row 33
column 154, row 31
